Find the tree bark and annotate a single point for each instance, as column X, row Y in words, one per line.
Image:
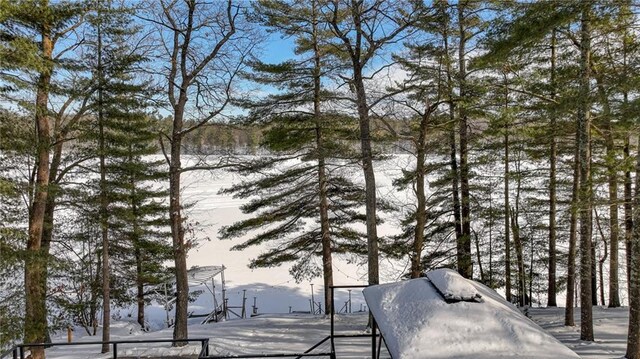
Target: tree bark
column 180, row 329
column 633, row 336
column 594, row 273
column 139, row 288
column 479, row 258
column 137, row 245
column 453, row 157
column 553, row 158
column 571, row 259
column 365, row 145
column 628, row 213
column 369, row 176
column 584, row 141
column 327, row 263
column 515, row 229
column 35, row 324
column 421, row 210
column 612, row 177
column 104, row 203
column 507, row 208
column 183, row 69
column 465, row 264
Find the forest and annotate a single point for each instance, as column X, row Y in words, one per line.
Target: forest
column 520, row 119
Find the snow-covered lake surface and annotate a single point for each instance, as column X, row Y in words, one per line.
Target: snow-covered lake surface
column 274, row 288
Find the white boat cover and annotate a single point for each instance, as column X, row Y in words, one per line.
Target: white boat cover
column 474, row 322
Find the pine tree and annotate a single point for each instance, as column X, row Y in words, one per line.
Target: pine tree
column 423, row 101
column 15, row 143
column 131, row 210
column 286, row 216
column 585, row 195
column 633, row 336
column 289, row 117
column 611, row 26
column 354, row 25
column 31, row 30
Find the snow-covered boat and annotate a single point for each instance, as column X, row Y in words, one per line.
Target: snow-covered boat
column 444, row 315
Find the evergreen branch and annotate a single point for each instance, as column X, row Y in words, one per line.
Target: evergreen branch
column 71, row 166
column 60, row 34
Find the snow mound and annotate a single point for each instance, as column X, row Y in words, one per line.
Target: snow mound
column 417, row 323
column 452, row 286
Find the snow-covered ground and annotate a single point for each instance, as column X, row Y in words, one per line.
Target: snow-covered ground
column 277, row 333
column 276, row 293
column 269, row 333
column 609, row 327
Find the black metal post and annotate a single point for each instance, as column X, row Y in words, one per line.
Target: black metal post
column 15, row 353
column 205, row 343
column 21, row 352
column 115, row 350
column 373, row 335
column 313, row 301
column 333, row 313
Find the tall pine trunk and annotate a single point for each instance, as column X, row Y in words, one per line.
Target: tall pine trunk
column 611, row 163
column 573, row 234
column 104, row 203
column 628, row 213
column 584, row 144
column 35, row 323
column 184, row 68
column 365, row 143
column 594, row 270
column 614, row 287
column 465, row 264
column 453, row 157
column 515, row 229
column 327, row 263
column 137, row 243
column 633, row 337
column 369, row 176
column 553, row 158
column 421, row 210
column 139, row 287
column 507, row 209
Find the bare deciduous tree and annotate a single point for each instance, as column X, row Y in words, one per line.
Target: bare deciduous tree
column 203, row 50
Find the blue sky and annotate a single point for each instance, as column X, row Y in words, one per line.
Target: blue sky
column 277, row 49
